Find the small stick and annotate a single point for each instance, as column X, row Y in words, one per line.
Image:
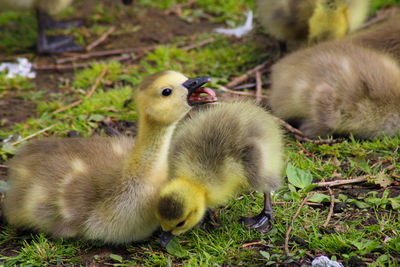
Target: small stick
column 292, row 222
column 289, row 127
column 261, row 242
column 287, row 202
column 3, row 166
column 223, row 88
column 32, row 135
column 359, row 179
column 258, row 87
column 244, row 86
column 300, row 136
column 317, row 142
column 89, row 94
column 306, row 151
column 245, row 76
column 202, row 43
column 396, row 175
column 330, row 207
column 96, row 84
column 106, row 53
column 101, row 39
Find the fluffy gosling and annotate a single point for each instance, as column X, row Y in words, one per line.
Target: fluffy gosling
column 219, row 152
column 338, row 88
column 101, row 188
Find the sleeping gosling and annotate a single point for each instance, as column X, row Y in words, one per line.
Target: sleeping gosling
column 338, row 88
column 101, row 188
column 297, row 22
column 218, row 153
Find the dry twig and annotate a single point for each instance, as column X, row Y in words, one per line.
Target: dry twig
column 359, row 179
column 246, row 76
column 101, row 39
column 292, row 222
column 32, row 135
column 258, row 87
column 317, row 142
column 330, row 207
column 290, row 128
column 89, row 94
column 288, row 202
column 3, row 166
column 223, row 88
column 106, row 53
column 306, row 151
column 199, row 44
column 261, row 242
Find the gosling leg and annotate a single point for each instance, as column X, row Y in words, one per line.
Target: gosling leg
column 263, row 221
column 54, row 44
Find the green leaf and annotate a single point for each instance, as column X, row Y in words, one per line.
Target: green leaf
column 265, row 254
column 173, row 247
column 96, row 117
column 292, row 188
column 10, row 149
column 395, row 202
column 309, row 187
column 383, row 180
column 295, row 196
column 318, row 198
column 361, row 205
column 116, row 257
column 298, row 177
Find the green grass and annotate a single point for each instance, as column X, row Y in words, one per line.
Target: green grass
column 367, row 228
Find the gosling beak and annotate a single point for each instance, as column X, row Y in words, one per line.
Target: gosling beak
column 198, row 94
column 165, row 238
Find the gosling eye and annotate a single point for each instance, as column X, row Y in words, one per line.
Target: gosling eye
column 180, row 224
column 166, row 92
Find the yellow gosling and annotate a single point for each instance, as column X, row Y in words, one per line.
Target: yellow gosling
column 218, row 153
column 101, row 188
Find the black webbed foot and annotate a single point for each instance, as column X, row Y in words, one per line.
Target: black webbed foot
column 54, row 44
column 263, row 221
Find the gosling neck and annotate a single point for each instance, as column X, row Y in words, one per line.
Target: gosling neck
column 152, row 144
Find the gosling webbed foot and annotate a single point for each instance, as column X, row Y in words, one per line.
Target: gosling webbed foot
column 57, row 44
column 54, row 44
column 261, row 222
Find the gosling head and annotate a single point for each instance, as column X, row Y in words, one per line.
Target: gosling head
column 181, row 206
column 163, row 97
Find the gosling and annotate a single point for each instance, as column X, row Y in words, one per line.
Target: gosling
column 298, row 22
column 101, row 188
column 338, row 88
column 219, row 152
